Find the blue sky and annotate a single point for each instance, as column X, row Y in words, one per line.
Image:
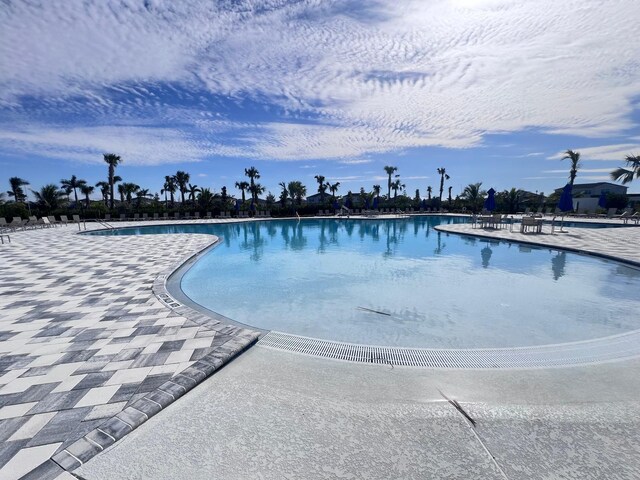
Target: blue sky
column 492, row 90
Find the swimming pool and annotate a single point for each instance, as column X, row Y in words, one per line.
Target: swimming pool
column 402, row 283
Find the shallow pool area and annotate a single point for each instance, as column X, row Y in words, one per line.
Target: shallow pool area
column 400, row 282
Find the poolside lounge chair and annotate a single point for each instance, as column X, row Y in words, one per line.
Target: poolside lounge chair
column 122, row 217
column 53, row 221
column 64, row 220
column 633, row 218
column 145, row 216
column 156, row 216
column 44, row 221
column 165, row 216
column 208, row 216
column 136, row 217
column 16, row 223
column 187, row 216
column 176, row 216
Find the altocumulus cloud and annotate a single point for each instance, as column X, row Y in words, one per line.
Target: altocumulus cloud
column 338, row 79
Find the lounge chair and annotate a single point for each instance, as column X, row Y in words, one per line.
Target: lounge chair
column 122, row 217
column 187, row 216
column 165, row 216
column 17, row 223
column 633, row 218
column 64, row 220
column 176, row 216
column 196, row 215
column 53, row 221
column 145, row 216
column 156, row 216
column 136, row 217
column 44, row 221
column 208, row 216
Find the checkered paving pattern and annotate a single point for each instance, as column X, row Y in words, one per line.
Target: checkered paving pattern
column 83, row 339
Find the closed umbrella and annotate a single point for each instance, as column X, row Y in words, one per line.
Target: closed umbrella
column 375, row 203
column 490, row 202
column 566, row 202
column 602, row 201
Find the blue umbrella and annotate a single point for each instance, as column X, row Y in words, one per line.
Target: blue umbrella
column 348, row 203
column 566, row 202
column 375, row 203
column 336, row 205
column 602, row 201
column 490, row 202
column 237, row 205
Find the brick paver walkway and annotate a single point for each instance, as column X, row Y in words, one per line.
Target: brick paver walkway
column 83, row 338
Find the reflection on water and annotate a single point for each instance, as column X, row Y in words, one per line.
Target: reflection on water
column 318, row 278
column 558, row 264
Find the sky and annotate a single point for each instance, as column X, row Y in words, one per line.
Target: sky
column 492, row 90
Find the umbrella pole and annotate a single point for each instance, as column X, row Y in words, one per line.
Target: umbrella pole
column 562, row 224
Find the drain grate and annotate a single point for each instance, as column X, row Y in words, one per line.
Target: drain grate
column 608, row 349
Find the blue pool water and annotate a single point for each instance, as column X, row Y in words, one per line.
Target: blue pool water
column 402, row 283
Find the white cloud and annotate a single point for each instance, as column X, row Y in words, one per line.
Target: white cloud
column 136, row 145
column 382, row 77
column 616, row 152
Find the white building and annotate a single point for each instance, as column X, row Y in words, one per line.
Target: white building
column 586, row 195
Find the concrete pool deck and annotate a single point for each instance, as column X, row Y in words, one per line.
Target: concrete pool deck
column 57, row 303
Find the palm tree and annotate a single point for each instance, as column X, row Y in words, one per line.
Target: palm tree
column 390, row 171
column 376, row 190
column 395, row 186
column 129, row 189
column 333, row 188
column 429, row 190
column 443, row 176
column 450, row 187
column 49, row 197
column 121, row 192
column 104, row 191
column 511, row 199
column 322, row 187
column 253, row 174
column 72, row 185
column 474, row 195
column 112, row 160
column 169, row 187
column 182, row 178
column 574, row 157
column 256, row 189
column 16, row 184
column 86, row 191
column 141, row 194
column 192, row 190
column 242, row 186
column 284, row 194
column 297, row 190
column 626, row 175
column 205, row 198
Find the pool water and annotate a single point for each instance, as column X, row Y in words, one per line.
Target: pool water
column 402, row 283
